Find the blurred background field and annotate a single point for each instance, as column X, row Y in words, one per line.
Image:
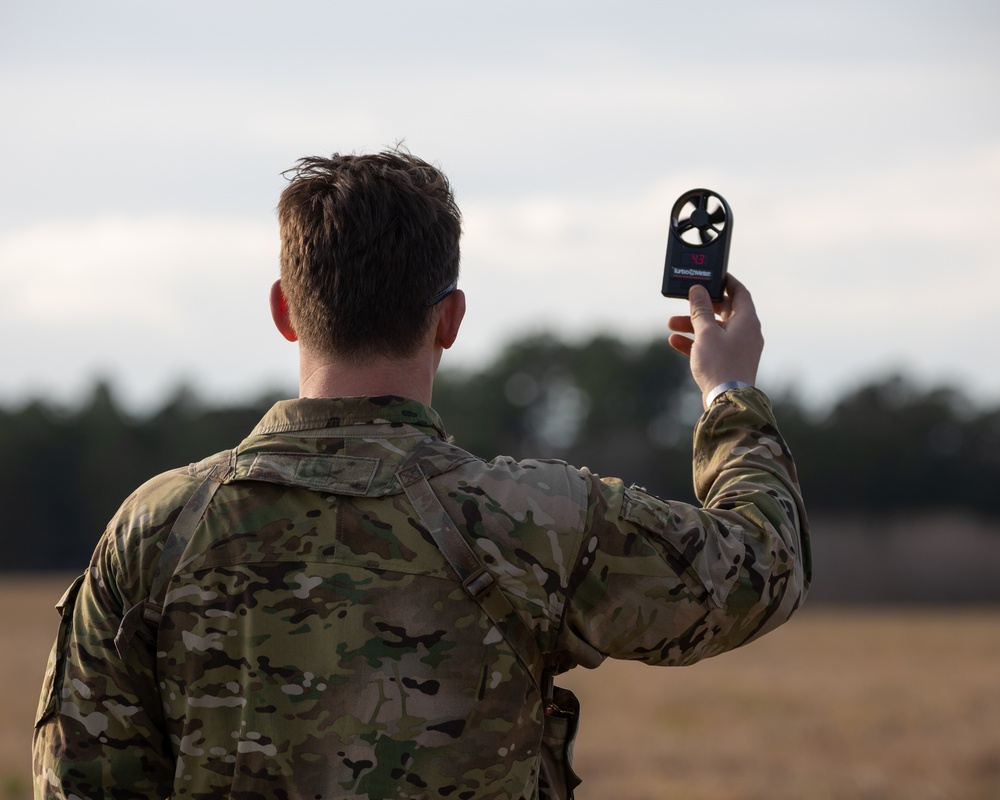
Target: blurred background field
column 873, row 702
column 857, row 704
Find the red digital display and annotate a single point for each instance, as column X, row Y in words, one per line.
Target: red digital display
column 694, row 259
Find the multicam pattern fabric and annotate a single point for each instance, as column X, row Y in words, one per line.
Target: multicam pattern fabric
column 314, row 642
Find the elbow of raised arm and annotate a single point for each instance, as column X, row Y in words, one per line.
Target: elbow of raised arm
column 777, row 572
column 792, row 575
column 802, row 561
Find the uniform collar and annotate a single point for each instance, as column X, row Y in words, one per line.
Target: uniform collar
column 313, row 413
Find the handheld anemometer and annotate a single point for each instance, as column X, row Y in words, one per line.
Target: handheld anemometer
column 701, row 224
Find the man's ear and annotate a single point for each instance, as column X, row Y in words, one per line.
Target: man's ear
column 450, row 318
column 279, row 313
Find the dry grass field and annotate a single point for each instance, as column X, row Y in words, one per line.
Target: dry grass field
column 859, row 704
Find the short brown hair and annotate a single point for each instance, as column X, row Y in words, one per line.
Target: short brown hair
column 366, row 242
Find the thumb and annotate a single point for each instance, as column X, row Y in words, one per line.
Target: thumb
column 702, row 310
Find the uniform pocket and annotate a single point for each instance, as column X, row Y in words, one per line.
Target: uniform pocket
column 49, row 701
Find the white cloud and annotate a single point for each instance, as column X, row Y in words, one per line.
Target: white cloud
column 139, row 271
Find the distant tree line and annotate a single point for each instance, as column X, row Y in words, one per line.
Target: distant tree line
column 620, row 409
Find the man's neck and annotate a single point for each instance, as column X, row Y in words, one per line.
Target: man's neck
column 324, row 376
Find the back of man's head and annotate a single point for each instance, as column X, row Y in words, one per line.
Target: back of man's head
column 366, row 242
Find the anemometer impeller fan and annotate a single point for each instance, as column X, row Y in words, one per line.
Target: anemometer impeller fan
column 700, row 217
column 701, row 226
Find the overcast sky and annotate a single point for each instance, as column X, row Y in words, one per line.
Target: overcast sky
column 858, row 144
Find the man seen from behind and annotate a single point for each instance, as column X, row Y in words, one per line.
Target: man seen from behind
column 348, row 605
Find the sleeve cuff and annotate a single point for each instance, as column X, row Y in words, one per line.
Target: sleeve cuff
column 722, row 388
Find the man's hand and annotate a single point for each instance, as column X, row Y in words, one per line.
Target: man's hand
column 723, row 349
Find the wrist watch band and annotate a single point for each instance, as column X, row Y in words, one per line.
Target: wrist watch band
column 722, row 388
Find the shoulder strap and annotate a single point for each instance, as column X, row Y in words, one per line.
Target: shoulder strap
column 169, row 561
column 178, row 538
column 477, row 581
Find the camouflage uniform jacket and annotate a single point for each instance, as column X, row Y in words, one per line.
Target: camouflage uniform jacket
column 314, row 642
